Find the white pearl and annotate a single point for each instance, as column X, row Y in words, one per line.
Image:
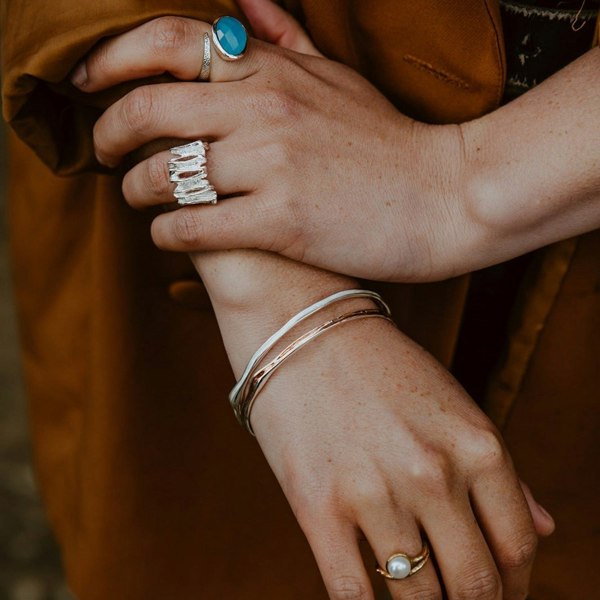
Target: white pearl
column 399, row 567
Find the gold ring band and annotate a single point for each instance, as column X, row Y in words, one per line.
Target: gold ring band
column 400, row 566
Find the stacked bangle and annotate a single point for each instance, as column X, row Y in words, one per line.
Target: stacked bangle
column 254, row 377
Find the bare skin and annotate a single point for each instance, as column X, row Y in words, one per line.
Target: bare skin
column 365, row 431
column 311, row 152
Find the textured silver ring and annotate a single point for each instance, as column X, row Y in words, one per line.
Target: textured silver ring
column 206, row 59
column 187, row 170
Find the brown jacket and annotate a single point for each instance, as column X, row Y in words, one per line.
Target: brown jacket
column 152, row 488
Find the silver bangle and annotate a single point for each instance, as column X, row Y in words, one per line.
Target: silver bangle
column 243, row 395
column 297, row 319
column 260, row 378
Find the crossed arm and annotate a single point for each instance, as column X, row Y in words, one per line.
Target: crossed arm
column 394, row 445
column 307, row 159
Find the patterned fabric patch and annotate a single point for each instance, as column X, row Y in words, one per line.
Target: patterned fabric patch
column 542, row 37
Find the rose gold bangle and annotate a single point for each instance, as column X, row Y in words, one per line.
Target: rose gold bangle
column 240, row 388
column 259, row 377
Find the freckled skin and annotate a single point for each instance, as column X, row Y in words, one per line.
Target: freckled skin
column 364, row 430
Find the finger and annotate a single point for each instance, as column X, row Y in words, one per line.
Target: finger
column 389, row 533
column 171, row 110
column 466, row 564
column 147, row 184
column 235, row 223
column 542, row 519
column 505, row 519
column 172, row 45
column 273, row 24
column 335, row 547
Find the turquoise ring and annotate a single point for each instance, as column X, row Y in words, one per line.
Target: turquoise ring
column 230, row 38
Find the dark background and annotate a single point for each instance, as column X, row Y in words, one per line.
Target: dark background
column 29, row 560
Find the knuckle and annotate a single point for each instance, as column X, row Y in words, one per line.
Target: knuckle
column 488, row 449
column 157, row 175
column 480, row 585
column 138, row 107
column 349, row 587
column 521, row 554
column 170, row 33
column 279, row 155
column 433, row 473
column 187, row 227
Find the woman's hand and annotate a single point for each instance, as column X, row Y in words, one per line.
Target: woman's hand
column 319, row 167
column 366, row 432
column 369, row 437
column 315, row 163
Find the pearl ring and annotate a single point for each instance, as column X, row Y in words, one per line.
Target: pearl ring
column 401, row 566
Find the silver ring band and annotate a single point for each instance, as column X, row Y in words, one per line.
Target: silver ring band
column 206, row 59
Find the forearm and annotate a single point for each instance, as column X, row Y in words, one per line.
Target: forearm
column 254, row 293
column 533, row 166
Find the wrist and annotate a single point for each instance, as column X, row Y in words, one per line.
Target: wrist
column 442, row 189
column 485, row 190
column 255, row 293
column 255, row 282
column 533, row 164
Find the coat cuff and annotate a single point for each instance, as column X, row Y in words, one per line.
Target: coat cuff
column 43, row 41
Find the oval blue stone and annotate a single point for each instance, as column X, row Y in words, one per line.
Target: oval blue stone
column 231, row 35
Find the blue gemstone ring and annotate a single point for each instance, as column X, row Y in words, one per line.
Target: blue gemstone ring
column 230, row 38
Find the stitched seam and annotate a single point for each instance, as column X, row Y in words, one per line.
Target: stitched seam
column 503, row 419
column 535, row 345
column 499, row 55
column 522, row 84
column 550, row 14
column 437, row 73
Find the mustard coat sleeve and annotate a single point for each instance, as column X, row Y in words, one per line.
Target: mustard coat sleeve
column 42, row 41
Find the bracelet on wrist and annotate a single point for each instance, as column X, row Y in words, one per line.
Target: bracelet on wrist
column 254, row 378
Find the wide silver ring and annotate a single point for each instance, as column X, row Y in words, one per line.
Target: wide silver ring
column 400, row 566
column 206, row 59
column 187, row 170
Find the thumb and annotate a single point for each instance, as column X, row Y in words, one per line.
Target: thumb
column 542, row 520
column 273, row 24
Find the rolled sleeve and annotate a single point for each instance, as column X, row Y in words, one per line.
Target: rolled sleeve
column 41, row 43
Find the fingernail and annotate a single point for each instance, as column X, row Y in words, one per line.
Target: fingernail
column 104, row 162
column 79, row 78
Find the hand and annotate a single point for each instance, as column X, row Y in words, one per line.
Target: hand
column 305, row 150
column 310, row 152
column 370, row 437
column 425, row 424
